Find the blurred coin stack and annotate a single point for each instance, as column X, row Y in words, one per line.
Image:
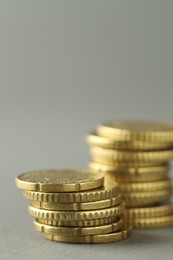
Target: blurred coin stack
column 74, row 206
column 136, row 155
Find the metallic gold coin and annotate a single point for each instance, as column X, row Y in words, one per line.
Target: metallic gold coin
column 93, row 139
column 137, row 130
column 92, row 239
column 79, row 223
column 59, row 180
column 108, row 191
column 139, row 199
column 157, row 222
column 132, row 174
column 76, row 215
column 102, row 204
column 78, row 231
column 150, row 212
column 146, row 186
column 109, row 156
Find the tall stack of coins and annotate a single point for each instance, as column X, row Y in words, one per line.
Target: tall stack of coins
column 74, row 206
column 136, row 155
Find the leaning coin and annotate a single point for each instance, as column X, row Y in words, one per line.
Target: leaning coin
column 79, row 223
column 95, row 239
column 78, row 231
column 102, row 204
column 60, row 180
column 108, row 191
column 76, row 215
column 150, row 212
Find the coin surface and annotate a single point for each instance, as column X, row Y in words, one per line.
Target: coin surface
column 102, row 204
column 157, row 222
column 137, row 130
column 139, row 199
column 109, row 156
column 146, row 186
column 108, row 191
column 59, row 180
column 132, row 174
column 79, row 223
column 79, row 231
column 93, row 139
column 76, row 215
column 150, row 212
column 95, row 239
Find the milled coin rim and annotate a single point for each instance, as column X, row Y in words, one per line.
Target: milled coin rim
column 76, row 215
column 108, row 191
column 79, row 231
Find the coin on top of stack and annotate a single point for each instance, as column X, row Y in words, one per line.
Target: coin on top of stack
column 136, row 154
column 75, row 206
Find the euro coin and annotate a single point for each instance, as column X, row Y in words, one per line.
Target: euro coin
column 132, row 174
column 95, row 239
column 108, row 191
column 93, row 139
column 59, row 180
column 150, row 212
column 137, row 130
column 79, row 223
column 78, row 206
column 109, row 156
column 76, row 215
column 78, row 231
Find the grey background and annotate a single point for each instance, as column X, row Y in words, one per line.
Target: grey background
column 66, row 66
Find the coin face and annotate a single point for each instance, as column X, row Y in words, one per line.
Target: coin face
column 60, row 180
column 142, row 130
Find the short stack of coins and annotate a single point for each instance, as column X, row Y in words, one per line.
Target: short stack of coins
column 74, row 206
column 136, row 155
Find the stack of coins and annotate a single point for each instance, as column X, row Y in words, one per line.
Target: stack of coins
column 136, row 155
column 74, row 206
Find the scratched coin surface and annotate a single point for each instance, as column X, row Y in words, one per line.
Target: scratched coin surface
column 60, row 180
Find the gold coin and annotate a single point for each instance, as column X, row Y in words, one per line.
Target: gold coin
column 93, row 139
column 76, row 215
column 146, row 186
column 139, row 199
column 78, row 231
column 157, row 222
column 95, row 239
column 109, row 156
column 150, row 212
column 102, row 204
column 79, row 223
column 108, row 191
column 132, row 174
column 137, row 130
column 59, row 180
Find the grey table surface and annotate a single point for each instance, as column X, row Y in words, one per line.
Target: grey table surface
column 66, row 66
